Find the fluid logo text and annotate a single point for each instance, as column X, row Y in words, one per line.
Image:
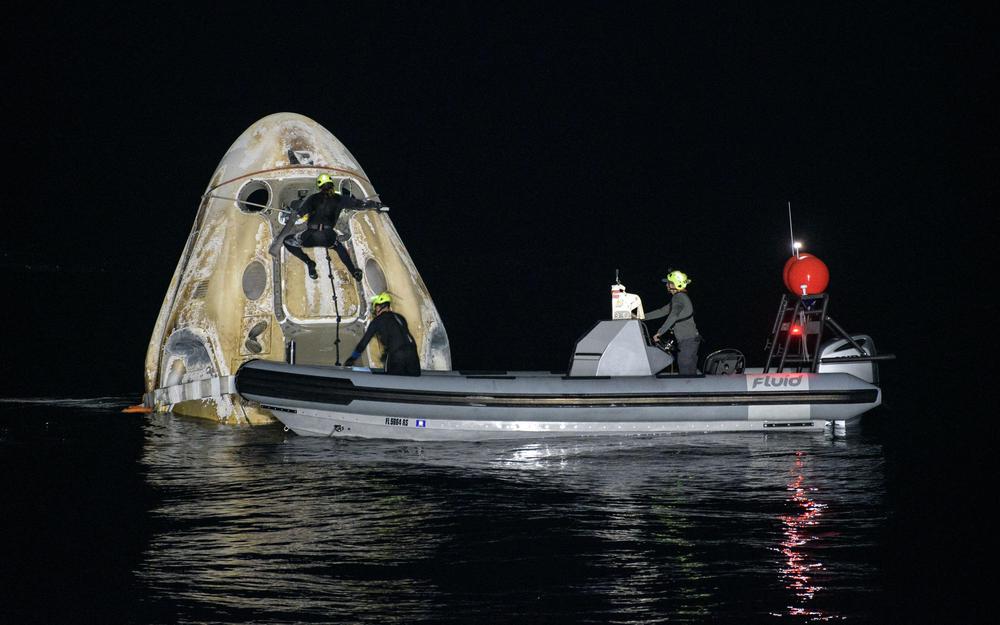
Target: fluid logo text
column 768, row 381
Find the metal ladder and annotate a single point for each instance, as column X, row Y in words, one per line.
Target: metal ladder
column 290, row 344
column 795, row 337
column 797, row 334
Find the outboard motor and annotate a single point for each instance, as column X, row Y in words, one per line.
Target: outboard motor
column 865, row 367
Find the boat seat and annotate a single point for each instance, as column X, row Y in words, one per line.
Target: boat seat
column 724, row 361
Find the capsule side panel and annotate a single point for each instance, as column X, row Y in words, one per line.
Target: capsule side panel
column 374, row 238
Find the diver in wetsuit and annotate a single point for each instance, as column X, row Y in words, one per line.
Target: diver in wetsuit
column 679, row 315
column 322, row 209
column 400, row 349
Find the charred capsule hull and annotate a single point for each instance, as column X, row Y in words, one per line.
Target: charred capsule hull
column 237, row 294
column 335, row 401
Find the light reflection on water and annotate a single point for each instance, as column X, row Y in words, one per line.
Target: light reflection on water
column 800, row 528
column 256, row 524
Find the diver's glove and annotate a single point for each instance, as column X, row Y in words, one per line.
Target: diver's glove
column 371, row 204
column 350, row 361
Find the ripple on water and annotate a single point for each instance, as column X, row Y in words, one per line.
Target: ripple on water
column 257, row 521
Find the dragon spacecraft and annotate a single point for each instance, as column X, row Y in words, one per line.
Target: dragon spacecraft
column 238, row 295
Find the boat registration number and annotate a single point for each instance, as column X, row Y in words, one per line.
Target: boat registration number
column 417, row 423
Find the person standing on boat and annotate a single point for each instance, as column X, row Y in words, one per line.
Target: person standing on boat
column 322, row 210
column 390, row 327
column 679, row 315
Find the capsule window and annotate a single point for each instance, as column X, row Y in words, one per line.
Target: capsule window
column 254, row 196
column 351, row 188
column 375, row 277
column 254, row 280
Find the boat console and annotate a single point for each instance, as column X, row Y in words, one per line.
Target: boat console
column 617, row 347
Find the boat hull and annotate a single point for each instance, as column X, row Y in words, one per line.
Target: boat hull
column 337, row 401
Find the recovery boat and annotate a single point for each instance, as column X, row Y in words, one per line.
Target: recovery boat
column 618, row 382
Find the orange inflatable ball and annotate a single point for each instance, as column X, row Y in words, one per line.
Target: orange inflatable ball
column 788, row 265
column 808, row 271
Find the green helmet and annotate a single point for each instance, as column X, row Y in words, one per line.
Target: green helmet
column 678, row 278
column 381, row 298
column 324, row 179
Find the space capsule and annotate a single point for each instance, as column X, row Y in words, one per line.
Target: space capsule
column 237, row 294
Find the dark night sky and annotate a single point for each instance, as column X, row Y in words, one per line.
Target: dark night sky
column 526, row 152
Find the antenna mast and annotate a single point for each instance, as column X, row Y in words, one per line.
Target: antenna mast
column 791, row 234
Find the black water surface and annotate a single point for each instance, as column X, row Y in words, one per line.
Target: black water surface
column 113, row 517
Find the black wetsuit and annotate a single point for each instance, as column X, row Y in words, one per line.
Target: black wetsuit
column 323, row 210
column 400, row 348
column 679, row 315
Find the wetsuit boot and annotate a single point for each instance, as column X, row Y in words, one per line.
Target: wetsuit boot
column 294, row 246
column 346, row 259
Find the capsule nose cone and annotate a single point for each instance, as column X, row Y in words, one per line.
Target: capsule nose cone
column 285, row 140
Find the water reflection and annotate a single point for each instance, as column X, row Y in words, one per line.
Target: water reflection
column 799, row 529
column 255, row 521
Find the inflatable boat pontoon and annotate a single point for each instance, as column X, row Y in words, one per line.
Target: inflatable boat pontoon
column 613, row 387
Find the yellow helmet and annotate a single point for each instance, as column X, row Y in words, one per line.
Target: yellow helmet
column 381, row 298
column 678, row 278
column 324, row 179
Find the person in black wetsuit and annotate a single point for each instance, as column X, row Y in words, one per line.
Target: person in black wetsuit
column 322, row 209
column 679, row 315
column 400, row 349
